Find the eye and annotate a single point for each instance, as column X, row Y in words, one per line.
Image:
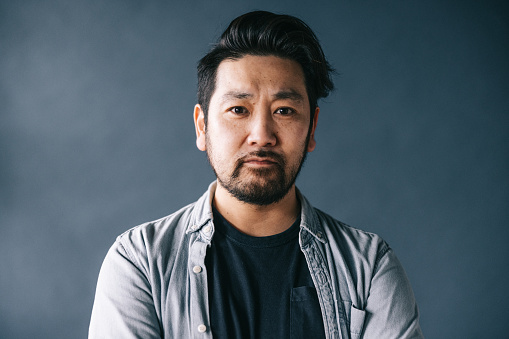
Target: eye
column 284, row 111
column 238, row 110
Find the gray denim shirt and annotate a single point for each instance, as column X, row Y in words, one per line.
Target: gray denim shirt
column 153, row 281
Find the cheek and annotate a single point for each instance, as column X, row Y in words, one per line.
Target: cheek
column 296, row 133
column 230, row 135
column 224, row 140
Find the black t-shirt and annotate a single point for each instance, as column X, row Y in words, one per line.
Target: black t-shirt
column 260, row 287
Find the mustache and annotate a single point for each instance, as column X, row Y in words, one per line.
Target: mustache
column 270, row 155
column 277, row 158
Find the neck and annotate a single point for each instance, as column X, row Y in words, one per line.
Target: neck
column 255, row 220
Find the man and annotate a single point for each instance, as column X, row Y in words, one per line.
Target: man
column 252, row 258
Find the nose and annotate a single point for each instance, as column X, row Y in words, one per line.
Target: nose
column 262, row 132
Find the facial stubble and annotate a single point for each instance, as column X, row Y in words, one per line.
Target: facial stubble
column 268, row 185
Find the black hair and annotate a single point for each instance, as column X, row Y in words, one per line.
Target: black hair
column 264, row 33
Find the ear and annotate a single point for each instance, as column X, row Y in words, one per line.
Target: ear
column 312, row 141
column 199, row 125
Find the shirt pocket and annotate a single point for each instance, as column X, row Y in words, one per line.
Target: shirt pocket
column 305, row 314
column 356, row 322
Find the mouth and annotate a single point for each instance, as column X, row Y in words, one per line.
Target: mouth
column 265, row 161
column 259, row 161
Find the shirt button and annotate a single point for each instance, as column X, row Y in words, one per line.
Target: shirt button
column 202, row 328
column 196, row 269
column 319, row 235
column 207, row 229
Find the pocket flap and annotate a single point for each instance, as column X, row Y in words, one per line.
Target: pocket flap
column 356, row 320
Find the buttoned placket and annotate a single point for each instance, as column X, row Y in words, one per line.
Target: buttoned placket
column 199, row 317
column 320, row 275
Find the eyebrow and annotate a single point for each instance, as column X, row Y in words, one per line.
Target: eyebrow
column 290, row 94
column 281, row 95
column 236, row 95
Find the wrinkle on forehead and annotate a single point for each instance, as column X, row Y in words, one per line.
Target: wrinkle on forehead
column 250, row 77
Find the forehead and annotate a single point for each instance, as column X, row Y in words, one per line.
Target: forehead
column 256, row 74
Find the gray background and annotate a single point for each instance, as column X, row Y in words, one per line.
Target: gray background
column 96, row 136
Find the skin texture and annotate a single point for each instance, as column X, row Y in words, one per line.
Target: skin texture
column 256, row 139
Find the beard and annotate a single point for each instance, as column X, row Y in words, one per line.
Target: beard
column 260, row 186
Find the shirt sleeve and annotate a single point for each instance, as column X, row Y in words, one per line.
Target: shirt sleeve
column 391, row 309
column 123, row 305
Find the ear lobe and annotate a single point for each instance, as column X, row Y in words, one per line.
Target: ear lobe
column 312, row 141
column 199, row 125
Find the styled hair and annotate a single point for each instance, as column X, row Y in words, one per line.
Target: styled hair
column 264, row 33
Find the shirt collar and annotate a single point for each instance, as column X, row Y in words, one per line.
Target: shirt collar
column 202, row 216
column 309, row 219
column 202, row 211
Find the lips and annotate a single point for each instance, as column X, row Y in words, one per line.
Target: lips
column 262, row 158
column 260, row 161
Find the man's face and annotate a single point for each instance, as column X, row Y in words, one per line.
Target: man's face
column 258, row 129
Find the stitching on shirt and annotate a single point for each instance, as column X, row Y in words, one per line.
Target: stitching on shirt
column 128, row 253
column 130, row 257
column 380, row 255
column 324, row 290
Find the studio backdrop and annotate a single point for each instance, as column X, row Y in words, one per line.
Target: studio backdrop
column 97, row 136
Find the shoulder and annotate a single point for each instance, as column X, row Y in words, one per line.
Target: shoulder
column 164, row 231
column 152, row 246
column 346, row 242
column 352, row 243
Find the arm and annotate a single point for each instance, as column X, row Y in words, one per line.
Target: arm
column 391, row 310
column 123, row 305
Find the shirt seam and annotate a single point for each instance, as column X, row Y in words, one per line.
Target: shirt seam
column 385, row 249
